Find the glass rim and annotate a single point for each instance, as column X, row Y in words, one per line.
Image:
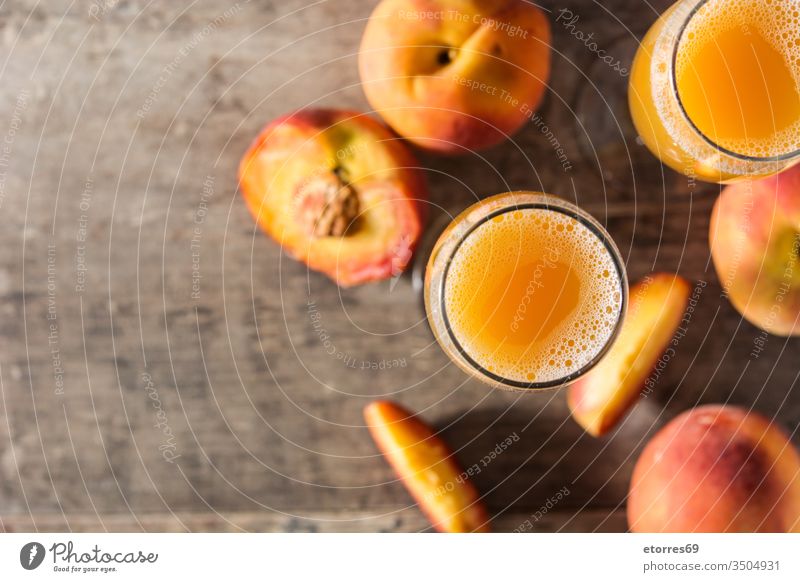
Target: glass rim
column 552, row 204
column 674, row 82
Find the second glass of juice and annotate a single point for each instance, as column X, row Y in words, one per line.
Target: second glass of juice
column 525, row 291
column 715, row 88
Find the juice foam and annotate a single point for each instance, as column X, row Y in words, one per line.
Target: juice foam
column 532, row 295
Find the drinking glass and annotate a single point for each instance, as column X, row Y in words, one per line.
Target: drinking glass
column 477, row 273
column 714, row 88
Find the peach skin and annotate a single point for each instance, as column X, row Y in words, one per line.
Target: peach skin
column 455, row 75
column 716, row 468
column 755, row 243
column 427, row 468
column 600, row 399
column 338, row 191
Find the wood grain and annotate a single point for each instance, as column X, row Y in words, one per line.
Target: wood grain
column 230, row 410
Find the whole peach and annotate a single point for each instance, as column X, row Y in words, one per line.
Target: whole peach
column 455, row 75
column 755, row 243
column 716, row 468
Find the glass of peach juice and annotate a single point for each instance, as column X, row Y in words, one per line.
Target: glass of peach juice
column 525, row 291
column 714, row 89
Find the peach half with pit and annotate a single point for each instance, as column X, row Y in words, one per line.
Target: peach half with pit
column 338, row 191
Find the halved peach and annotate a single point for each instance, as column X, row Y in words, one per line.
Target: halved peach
column 601, row 398
column 338, row 191
column 427, row 468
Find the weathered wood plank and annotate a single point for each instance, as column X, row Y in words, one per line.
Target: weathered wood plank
column 405, row 520
column 130, row 129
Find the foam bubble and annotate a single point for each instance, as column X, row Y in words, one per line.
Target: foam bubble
column 499, row 246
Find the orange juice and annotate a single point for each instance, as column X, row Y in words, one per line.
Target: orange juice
column 531, row 294
column 715, row 87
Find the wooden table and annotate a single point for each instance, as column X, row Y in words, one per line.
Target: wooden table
column 139, row 396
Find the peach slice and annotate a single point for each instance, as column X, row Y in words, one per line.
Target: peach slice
column 716, row 469
column 338, row 191
column 755, row 243
column 427, row 468
column 601, row 398
column 455, row 75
